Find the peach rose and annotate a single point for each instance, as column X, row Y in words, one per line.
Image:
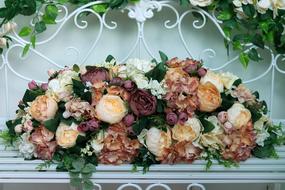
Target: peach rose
column 188, row 131
column 157, row 140
column 238, row 115
column 66, row 135
column 111, row 109
column 209, row 97
column 43, row 108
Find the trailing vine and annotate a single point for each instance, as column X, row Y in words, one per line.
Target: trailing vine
column 257, row 22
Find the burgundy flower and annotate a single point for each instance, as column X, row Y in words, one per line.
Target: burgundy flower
column 171, row 118
column 142, row 103
column 32, row 85
column 129, row 119
column 91, row 125
column 202, row 72
column 117, row 81
column 190, row 68
column 96, row 74
column 129, row 85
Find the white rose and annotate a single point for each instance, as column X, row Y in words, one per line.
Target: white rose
column 228, row 79
column 18, row 128
column 9, row 27
column 62, row 85
column 201, row 3
column 211, row 140
column 264, row 5
column 189, row 131
column 213, row 78
column 66, row 135
column 140, row 64
column 97, row 143
column 157, row 141
column 238, row 115
column 111, row 109
column 218, row 129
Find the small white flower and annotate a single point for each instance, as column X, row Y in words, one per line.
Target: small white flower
column 97, row 143
column 3, row 42
column 140, row 64
column 26, row 148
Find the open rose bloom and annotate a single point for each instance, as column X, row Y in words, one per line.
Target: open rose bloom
column 142, row 113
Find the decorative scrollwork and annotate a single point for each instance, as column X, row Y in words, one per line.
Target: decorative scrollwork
column 201, row 187
column 124, row 186
column 164, row 186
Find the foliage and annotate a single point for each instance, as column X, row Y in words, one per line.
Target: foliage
column 252, row 28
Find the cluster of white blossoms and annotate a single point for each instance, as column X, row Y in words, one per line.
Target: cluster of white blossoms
column 26, row 148
column 6, row 28
column 135, row 69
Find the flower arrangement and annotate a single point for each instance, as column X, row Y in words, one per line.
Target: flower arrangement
column 141, row 113
column 244, row 22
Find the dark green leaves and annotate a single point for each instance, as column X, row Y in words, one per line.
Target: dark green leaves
column 208, row 126
column 40, row 27
column 52, row 124
column 31, row 95
column 144, row 159
column 81, row 91
column 163, row 57
column 11, row 124
column 225, row 15
column 244, row 59
column 101, row 8
column 159, row 71
column 109, row 58
column 147, row 122
column 249, row 10
column 254, row 55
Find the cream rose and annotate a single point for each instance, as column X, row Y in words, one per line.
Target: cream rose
column 66, row 135
column 43, row 108
column 111, row 109
column 213, row 78
column 201, row 3
column 228, row 79
column 238, row 115
column 157, row 140
column 189, row 131
column 97, row 143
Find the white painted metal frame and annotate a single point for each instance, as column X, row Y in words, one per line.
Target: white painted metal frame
column 15, row 170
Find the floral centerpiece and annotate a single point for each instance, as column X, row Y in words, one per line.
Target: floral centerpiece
column 141, row 113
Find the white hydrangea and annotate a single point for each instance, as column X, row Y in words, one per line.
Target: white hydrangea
column 26, row 148
column 61, row 87
column 157, row 89
column 97, row 143
column 140, row 64
column 261, row 131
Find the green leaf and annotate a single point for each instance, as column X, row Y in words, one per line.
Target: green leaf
column 161, row 105
column 208, row 126
column 40, row 27
column 88, row 185
column 33, row 41
column 258, row 41
column 109, row 58
column 26, row 49
column 141, row 124
column 163, row 57
column 11, row 124
column 79, row 90
column 27, row 7
column 75, row 182
column 184, row 2
column 244, row 59
column 158, row 72
column 25, row 31
column 76, row 68
column 225, row 15
column 78, row 164
column 88, row 168
column 52, row 124
column 249, row 10
column 101, row 8
column 254, row 55
column 237, row 82
column 31, row 95
column 265, row 151
column 51, row 13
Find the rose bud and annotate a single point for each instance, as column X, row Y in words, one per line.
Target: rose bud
column 44, row 86
column 171, row 118
column 117, row 81
column 129, row 85
column 93, row 125
column 202, row 72
column 190, row 68
column 130, row 130
column 129, row 119
column 183, row 117
column 228, row 127
column 223, row 116
column 32, row 85
column 18, row 128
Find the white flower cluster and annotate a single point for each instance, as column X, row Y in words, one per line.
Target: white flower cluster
column 135, row 69
column 95, row 145
column 261, row 131
column 262, row 6
column 6, row 28
column 26, row 148
column 61, row 87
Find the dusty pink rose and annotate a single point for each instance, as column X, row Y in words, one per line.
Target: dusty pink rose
column 46, row 151
column 171, row 118
column 91, row 125
column 142, row 103
column 96, row 74
column 44, row 86
column 129, row 119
